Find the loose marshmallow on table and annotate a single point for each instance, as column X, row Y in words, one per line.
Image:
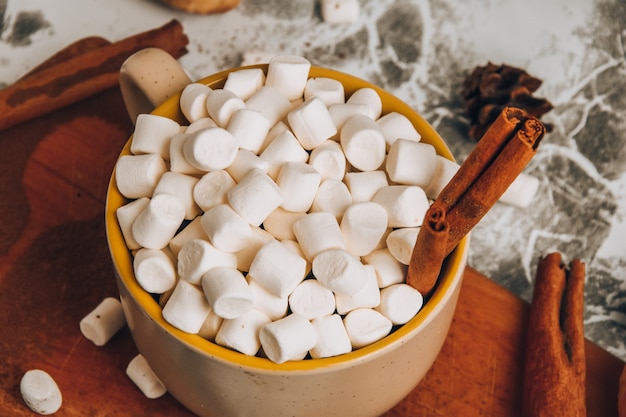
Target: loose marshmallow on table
column 362, row 226
column 395, row 125
column 284, row 148
column 157, row 223
column 226, row 229
column 364, row 185
column 197, row 256
column 187, row 307
column 329, row 160
column 227, row 292
column 317, row 232
column 288, row 338
column 211, row 189
column 136, row 176
column 245, row 82
column 211, row 326
column 299, row 183
column 255, row 197
column 193, row 230
column 140, row 372
column 155, row 270
column 269, row 304
column 288, row 74
column 210, row 149
column 126, row 216
column 222, row 105
column 178, row 162
column 388, row 269
column 180, row 186
column 412, row 163
column 40, row 392
column 363, row 143
column 193, row 101
column 406, row 205
column 444, row 172
column 370, row 98
column 242, row 333
column 400, row 303
column 311, row 123
column 270, row 103
column 401, row 242
column 152, row 135
column 340, row 11
column 250, row 128
column 332, row 197
column 280, row 223
column 329, row 90
column 312, row 299
column 521, row 191
column 340, row 271
column 332, row 338
column 366, row 326
column 368, row 296
column 277, row 268
column 103, row 322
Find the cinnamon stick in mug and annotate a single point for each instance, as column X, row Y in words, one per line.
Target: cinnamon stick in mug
column 555, row 367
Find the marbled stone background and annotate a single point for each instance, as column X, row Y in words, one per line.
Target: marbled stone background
column 421, row 51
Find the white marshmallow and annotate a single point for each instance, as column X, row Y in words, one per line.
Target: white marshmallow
column 299, row 183
column 187, row 307
column 226, row 229
column 181, row 186
column 193, row 230
column 332, row 197
column 444, row 172
column 328, row 159
column 227, row 292
column 250, row 128
column 340, row 11
column 178, row 162
column 155, row 270
column 140, row 372
column 412, row 163
column 370, row 98
column 341, row 112
column 389, row 270
column 245, row 82
column 406, row 205
column 366, row 326
column 193, row 101
column 288, row 74
column 280, row 223
column 152, row 135
column 255, row 197
column 400, row 303
column 272, row 306
column 364, row 185
column 401, row 243
column 395, row 125
column 329, row 90
column 521, row 191
column 363, row 143
column 311, row 123
column 284, row 148
column 258, row 238
column 157, row 223
column 287, row 338
column 201, row 123
column 222, row 104
column 295, row 247
column 210, row 149
column 126, row 215
column 332, row 338
column 103, row 322
column 242, row 333
column 270, row 103
column 340, row 271
column 368, row 296
column 362, row 226
column 211, row 189
column 317, row 232
column 211, row 326
column 312, row 299
column 136, row 176
column 279, row 128
column 197, row 256
column 277, row 268
column 244, row 162
column 40, row 392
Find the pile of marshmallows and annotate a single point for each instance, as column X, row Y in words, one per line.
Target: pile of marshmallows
column 281, row 220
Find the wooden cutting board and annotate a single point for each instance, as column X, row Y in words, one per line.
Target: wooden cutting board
column 55, row 268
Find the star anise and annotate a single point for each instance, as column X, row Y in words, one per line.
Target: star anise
column 490, row 88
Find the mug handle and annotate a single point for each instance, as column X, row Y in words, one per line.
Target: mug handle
column 148, row 78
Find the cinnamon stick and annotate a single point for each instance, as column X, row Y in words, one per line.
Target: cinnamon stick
column 429, row 251
column 555, row 368
column 80, row 76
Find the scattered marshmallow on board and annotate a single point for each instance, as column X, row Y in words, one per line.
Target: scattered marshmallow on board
column 40, row 392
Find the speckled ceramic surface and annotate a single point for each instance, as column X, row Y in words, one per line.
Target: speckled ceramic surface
column 421, row 51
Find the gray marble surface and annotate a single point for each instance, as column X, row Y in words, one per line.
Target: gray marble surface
column 421, row 51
